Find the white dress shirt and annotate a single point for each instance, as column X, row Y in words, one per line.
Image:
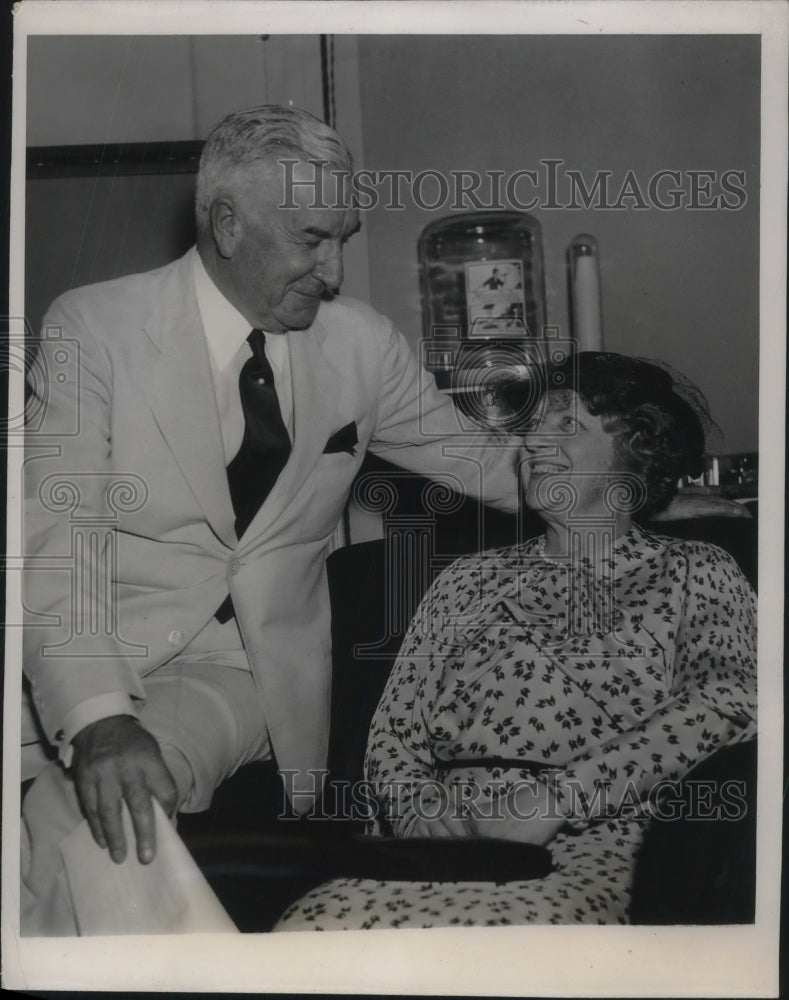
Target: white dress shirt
column 226, row 332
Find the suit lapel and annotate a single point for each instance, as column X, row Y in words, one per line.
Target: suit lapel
column 181, row 394
column 316, row 392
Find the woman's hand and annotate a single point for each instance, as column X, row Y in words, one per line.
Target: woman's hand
column 528, row 815
column 441, row 826
column 438, row 816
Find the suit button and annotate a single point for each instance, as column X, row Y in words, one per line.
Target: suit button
column 235, row 567
column 59, row 736
column 176, row 637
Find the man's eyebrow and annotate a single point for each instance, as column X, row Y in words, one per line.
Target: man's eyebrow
column 324, row 234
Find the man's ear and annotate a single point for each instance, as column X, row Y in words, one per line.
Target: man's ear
column 225, row 226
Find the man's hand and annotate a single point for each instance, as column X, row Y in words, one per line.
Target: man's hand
column 116, row 760
column 687, row 504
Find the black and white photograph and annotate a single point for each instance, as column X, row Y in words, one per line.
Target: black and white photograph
column 395, row 454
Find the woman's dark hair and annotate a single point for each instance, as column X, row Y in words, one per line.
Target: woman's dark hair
column 659, row 433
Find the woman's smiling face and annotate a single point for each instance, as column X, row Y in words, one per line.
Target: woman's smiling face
column 567, row 445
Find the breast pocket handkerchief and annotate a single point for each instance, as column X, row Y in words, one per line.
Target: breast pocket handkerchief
column 345, row 439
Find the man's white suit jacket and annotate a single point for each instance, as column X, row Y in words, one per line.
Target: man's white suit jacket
column 128, row 509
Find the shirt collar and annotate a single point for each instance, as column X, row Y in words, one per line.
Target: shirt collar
column 225, row 327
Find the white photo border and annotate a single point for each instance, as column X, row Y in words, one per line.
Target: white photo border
column 514, row 961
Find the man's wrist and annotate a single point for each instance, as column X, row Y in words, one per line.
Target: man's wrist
column 97, row 722
column 79, row 718
column 75, row 747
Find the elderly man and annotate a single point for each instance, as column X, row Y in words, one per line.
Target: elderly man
column 191, row 471
column 235, row 397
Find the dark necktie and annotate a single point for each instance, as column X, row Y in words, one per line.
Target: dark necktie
column 265, row 446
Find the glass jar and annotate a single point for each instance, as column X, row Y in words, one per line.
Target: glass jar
column 483, row 297
column 482, row 276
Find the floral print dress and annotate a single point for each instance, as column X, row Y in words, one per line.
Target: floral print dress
column 606, row 677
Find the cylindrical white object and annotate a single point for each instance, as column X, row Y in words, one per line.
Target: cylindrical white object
column 585, row 303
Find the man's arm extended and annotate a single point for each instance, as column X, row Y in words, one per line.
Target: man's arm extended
column 687, row 504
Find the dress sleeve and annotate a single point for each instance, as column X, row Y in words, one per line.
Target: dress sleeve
column 711, row 696
column 399, row 761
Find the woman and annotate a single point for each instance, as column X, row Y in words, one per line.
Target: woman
column 548, row 692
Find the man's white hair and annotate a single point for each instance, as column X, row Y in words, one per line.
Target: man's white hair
column 263, row 134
